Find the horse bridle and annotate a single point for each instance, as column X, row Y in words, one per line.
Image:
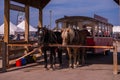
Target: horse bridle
column 41, row 35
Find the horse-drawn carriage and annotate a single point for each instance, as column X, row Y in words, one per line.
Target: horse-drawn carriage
column 100, row 30
column 76, row 30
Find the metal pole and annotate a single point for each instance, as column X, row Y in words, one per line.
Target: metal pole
column 119, row 14
column 50, row 19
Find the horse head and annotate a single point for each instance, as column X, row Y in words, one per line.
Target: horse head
column 67, row 36
column 41, row 35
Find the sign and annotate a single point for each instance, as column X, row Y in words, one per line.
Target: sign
column 20, row 17
column 100, row 18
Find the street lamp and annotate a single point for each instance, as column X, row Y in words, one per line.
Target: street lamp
column 50, row 18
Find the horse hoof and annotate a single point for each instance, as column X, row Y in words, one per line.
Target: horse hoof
column 70, row 65
column 75, row 66
column 46, row 68
column 60, row 65
column 83, row 64
column 52, row 69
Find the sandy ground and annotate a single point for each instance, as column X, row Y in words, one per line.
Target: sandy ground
column 97, row 67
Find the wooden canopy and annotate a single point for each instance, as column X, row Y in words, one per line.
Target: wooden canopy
column 34, row 3
column 39, row 4
column 117, row 1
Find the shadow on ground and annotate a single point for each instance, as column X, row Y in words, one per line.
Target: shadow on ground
column 90, row 59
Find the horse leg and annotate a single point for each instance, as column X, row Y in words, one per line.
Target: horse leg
column 52, row 57
column 45, row 58
column 75, row 58
column 60, row 56
column 83, row 56
column 70, row 57
column 79, row 57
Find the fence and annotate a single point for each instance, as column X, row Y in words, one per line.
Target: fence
column 4, row 50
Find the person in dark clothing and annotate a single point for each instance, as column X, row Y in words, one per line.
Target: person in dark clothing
column 85, row 29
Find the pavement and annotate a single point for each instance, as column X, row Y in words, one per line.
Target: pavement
column 97, row 67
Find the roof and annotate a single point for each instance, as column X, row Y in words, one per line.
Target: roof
column 73, row 18
column 13, row 28
column 78, row 19
column 117, row 1
column 22, row 26
column 34, row 3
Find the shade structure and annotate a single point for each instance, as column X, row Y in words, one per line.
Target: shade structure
column 34, row 3
column 116, row 29
column 22, row 26
column 13, row 28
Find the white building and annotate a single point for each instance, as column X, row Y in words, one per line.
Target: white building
column 116, row 32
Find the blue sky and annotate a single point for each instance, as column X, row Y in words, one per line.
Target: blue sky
column 106, row 8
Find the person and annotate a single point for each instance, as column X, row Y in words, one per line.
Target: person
column 18, row 37
column 85, row 29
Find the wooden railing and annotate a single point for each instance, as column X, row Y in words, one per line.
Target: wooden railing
column 5, row 53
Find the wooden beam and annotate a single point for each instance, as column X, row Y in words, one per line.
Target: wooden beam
column 26, row 22
column 20, row 45
column 34, row 3
column 40, row 23
column 117, row 1
column 115, row 61
column 26, row 26
column 80, row 46
column 6, row 20
column 17, row 8
column 6, row 31
column 4, row 56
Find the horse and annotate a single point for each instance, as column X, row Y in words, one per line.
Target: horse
column 45, row 37
column 72, row 36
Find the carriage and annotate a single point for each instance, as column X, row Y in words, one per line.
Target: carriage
column 99, row 28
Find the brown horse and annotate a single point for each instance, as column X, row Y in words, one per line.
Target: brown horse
column 74, row 37
column 46, row 37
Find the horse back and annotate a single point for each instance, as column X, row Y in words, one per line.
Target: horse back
column 58, row 37
column 80, row 37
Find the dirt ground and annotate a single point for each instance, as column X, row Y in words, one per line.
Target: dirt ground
column 98, row 67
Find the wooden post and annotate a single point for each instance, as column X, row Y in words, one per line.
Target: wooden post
column 115, row 60
column 40, row 18
column 6, row 31
column 6, row 20
column 26, row 23
column 26, row 26
column 4, row 56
